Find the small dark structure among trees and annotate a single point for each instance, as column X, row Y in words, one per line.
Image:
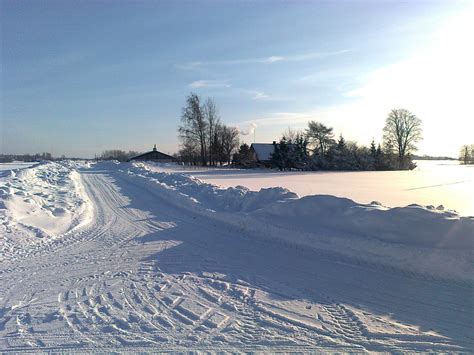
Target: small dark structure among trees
column 155, row 156
column 262, row 153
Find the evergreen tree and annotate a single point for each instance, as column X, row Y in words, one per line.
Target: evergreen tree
column 341, row 143
column 243, row 155
column 281, row 155
column 373, row 149
column 379, row 159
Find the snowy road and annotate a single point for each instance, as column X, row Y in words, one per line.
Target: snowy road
column 148, row 275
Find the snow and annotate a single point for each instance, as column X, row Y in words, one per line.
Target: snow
column 44, row 201
column 4, row 167
column 433, row 183
column 151, row 259
column 396, row 236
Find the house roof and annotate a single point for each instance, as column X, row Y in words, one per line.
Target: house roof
column 263, row 151
column 153, row 155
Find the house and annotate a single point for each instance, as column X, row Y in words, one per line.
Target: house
column 155, row 155
column 261, row 153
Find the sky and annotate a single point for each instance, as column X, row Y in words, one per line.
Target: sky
column 79, row 77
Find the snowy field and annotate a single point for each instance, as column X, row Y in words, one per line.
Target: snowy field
column 14, row 165
column 441, row 182
column 137, row 257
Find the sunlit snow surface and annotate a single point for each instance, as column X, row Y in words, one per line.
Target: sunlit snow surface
column 441, row 182
column 113, row 257
column 14, row 165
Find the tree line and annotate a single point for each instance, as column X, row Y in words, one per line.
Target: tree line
column 205, row 140
column 8, row 158
column 316, row 148
column 116, row 154
column 466, row 155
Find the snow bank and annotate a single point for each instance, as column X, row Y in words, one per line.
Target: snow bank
column 420, row 239
column 46, row 200
column 232, row 199
column 410, row 225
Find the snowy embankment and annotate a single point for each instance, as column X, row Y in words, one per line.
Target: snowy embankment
column 420, row 239
column 40, row 202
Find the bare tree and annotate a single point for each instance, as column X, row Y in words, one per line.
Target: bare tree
column 211, row 115
column 194, row 129
column 466, row 155
column 189, row 154
column 290, row 135
column 402, row 131
column 117, row 154
column 229, row 141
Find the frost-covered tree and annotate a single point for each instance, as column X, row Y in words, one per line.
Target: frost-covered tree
column 402, row 131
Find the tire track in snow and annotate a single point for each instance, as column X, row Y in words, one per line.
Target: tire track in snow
column 137, row 304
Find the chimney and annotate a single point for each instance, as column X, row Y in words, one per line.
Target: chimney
column 154, row 148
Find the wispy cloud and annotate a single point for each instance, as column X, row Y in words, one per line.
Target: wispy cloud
column 262, row 60
column 258, row 95
column 209, row 84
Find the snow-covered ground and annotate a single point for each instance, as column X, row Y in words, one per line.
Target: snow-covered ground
column 144, row 260
column 14, row 166
column 43, row 201
column 433, row 183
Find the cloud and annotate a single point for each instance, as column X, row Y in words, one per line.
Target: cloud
column 262, row 60
column 258, row 95
column 287, row 118
column 209, row 84
column 273, row 59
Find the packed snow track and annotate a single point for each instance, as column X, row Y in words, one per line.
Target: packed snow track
column 145, row 275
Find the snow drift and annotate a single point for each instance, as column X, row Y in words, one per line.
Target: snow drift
column 232, row 199
column 46, row 200
column 416, row 238
column 410, row 225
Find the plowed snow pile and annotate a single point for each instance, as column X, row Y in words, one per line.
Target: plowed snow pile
column 417, row 238
column 40, row 202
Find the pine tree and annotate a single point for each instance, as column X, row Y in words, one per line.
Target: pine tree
column 275, row 158
column 373, row 149
column 341, row 143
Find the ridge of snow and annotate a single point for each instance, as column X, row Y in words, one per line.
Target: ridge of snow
column 44, row 201
column 414, row 238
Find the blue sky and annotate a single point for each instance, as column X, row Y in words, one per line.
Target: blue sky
column 80, row 77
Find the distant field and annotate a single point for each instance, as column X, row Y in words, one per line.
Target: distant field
column 15, row 165
column 436, row 183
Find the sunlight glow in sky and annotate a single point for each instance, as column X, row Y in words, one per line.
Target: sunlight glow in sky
column 78, row 78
